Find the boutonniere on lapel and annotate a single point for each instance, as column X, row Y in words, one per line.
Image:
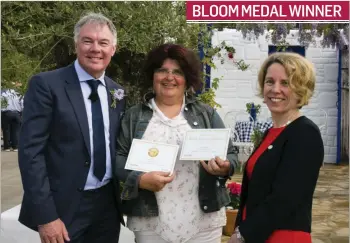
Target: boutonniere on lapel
column 117, row 95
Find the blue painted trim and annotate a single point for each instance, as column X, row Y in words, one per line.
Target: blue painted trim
column 339, row 107
column 207, row 67
column 200, row 46
column 200, row 53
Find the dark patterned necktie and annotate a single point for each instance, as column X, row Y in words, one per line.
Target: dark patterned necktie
column 99, row 143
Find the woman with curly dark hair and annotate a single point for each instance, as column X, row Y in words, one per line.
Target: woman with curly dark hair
column 188, row 206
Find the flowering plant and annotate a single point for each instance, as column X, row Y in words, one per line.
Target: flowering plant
column 234, row 190
column 117, row 95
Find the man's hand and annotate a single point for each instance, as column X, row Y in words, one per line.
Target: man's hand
column 217, row 167
column 53, row 232
column 155, row 181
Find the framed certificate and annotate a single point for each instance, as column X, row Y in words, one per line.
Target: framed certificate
column 205, row 144
column 147, row 156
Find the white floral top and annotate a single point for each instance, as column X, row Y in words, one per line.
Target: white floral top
column 180, row 216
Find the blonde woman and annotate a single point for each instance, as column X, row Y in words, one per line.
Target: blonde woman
column 280, row 176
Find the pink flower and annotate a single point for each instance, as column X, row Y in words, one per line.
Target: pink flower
column 234, row 188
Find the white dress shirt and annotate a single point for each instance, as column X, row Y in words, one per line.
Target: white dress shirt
column 92, row 182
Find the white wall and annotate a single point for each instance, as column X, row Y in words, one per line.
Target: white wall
column 238, row 87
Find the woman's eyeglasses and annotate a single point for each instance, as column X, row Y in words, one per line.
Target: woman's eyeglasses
column 165, row 72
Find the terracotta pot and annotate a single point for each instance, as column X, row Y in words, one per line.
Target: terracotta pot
column 229, row 228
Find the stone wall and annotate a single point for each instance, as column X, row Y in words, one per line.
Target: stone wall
column 238, row 87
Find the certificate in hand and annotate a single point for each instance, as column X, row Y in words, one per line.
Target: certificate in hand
column 149, row 156
column 205, row 144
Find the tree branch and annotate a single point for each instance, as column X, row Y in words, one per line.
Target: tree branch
column 41, row 42
column 30, row 36
column 46, row 55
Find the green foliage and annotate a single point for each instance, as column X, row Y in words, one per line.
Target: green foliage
column 208, row 97
column 256, row 137
column 38, row 36
column 282, row 46
column 230, row 51
column 15, row 69
column 242, row 65
column 121, row 186
column 4, row 102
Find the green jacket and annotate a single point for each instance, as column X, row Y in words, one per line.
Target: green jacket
column 138, row 202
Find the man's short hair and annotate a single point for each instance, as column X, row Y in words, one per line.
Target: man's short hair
column 95, row 18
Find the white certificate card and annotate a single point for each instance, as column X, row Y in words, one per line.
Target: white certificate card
column 147, row 156
column 205, row 144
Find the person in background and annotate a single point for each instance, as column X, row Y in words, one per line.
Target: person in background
column 188, row 206
column 68, row 141
column 11, row 109
column 280, row 176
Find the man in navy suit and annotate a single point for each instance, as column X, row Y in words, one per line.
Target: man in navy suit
column 68, row 143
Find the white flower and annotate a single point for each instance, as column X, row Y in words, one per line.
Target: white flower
column 118, row 94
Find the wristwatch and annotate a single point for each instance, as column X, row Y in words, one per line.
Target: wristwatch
column 239, row 236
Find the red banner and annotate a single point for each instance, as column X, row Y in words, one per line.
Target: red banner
column 257, row 11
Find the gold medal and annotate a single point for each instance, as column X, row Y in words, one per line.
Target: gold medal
column 153, row 152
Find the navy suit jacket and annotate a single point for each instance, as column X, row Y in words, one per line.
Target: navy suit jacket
column 54, row 146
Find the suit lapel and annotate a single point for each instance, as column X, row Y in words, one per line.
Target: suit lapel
column 76, row 98
column 112, row 115
column 109, row 95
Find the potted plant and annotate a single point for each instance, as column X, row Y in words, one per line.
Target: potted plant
column 253, row 110
column 256, row 137
column 234, row 190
